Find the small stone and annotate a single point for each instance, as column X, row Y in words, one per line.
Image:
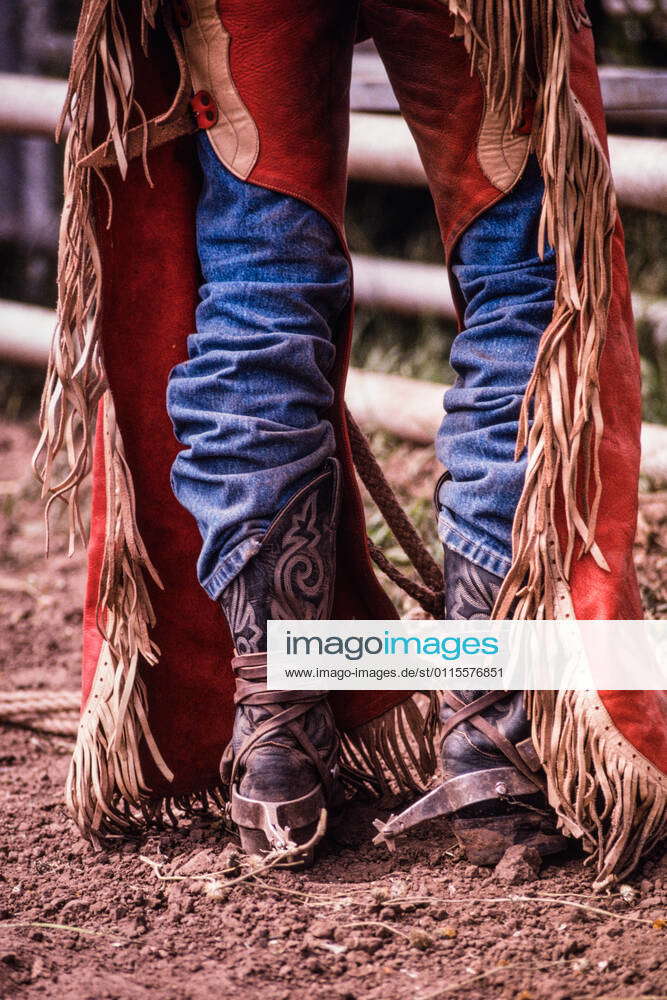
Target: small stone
column 447, row 932
column 518, row 864
column 71, row 909
column 420, row 940
column 571, row 946
column 398, row 889
column 335, row 949
column 646, row 886
column 369, row 944
column 363, row 971
column 321, row 929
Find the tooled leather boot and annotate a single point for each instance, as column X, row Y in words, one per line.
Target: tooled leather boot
column 281, row 766
column 490, row 768
column 493, row 789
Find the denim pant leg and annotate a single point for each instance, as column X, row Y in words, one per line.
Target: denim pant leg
column 248, row 403
column 509, row 298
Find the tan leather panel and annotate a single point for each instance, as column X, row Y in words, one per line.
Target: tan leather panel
column 234, row 137
column 502, row 154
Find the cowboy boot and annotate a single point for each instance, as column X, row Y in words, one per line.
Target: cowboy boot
column 489, row 764
column 281, row 765
column 493, row 787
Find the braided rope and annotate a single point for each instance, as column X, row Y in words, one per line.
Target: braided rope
column 429, row 595
column 54, row 712
column 35, row 702
column 53, row 727
column 431, row 601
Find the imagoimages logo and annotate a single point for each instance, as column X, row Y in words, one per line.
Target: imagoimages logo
column 355, row 647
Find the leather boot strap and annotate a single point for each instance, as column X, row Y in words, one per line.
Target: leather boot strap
column 287, row 709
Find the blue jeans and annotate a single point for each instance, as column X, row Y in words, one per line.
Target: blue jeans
column 249, row 404
column 509, row 296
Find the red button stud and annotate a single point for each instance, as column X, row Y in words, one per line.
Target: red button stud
column 205, row 109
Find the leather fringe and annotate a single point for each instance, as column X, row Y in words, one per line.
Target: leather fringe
column 133, row 818
column 521, row 51
column 76, row 380
column 604, row 791
column 394, row 755
column 106, row 764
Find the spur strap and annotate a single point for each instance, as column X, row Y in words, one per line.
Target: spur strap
column 287, row 709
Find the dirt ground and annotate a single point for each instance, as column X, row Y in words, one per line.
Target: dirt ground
column 362, row 924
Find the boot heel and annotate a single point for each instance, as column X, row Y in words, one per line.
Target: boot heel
column 484, row 841
column 273, row 827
